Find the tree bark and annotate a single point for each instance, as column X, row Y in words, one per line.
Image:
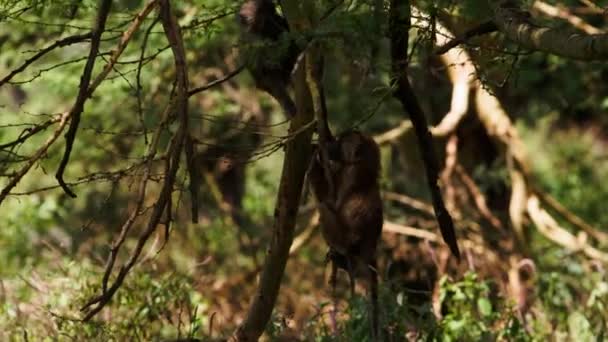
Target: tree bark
column 297, row 156
column 516, row 25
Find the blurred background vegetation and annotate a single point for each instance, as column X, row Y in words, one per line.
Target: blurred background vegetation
column 197, row 279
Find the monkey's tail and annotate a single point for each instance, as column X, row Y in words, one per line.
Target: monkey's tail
column 286, row 103
column 375, row 312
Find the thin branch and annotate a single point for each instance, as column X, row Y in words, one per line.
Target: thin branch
column 481, row 29
column 451, row 159
column 478, row 197
column 391, row 227
column 136, row 212
column 306, row 234
column 216, row 82
column 31, row 131
column 100, row 23
column 78, row 38
column 176, row 147
column 409, row 201
column 140, row 64
column 571, row 217
column 41, row 152
column 86, row 90
column 461, row 73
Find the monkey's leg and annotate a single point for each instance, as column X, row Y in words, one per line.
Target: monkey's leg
column 333, row 278
column 270, row 82
column 351, row 275
column 373, row 282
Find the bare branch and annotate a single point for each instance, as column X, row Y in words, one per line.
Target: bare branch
column 409, row 201
column 78, row 107
column 86, row 90
column 217, row 82
column 391, row 227
column 176, row 147
column 31, row 131
column 59, row 43
column 481, row 29
column 570, row 217
column 41, row 152
column 478, row 197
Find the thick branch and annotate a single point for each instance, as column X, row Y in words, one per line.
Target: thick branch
column 515, row 24
column 297, row 157
column 399, row 26
column 547, row 225
column 563, row 13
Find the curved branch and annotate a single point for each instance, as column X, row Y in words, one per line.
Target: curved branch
column 551, row 229
column 78, row 38
column 86, row 89
column 100, row 23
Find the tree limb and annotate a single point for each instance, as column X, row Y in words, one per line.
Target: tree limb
column 516, row 25
column 564, row 14
column 297, row 157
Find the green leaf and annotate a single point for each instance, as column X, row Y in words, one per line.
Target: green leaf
column 484, row 306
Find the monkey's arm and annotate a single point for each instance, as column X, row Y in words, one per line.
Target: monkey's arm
column 316, row 178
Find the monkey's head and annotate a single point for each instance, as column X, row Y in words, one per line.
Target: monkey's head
column 353, row 149
column 258, row 16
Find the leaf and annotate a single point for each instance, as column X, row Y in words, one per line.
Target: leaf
column 484, row 306
column 579, row 328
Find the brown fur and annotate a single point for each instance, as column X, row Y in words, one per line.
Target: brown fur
column 272, row 64
column 351, row 218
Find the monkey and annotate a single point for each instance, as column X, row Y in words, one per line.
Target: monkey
column 272, row 63
column 352, row 217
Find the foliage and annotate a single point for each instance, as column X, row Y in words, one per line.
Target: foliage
column 196, row 279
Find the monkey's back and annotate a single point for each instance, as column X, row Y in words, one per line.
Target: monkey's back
column 359, row 227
